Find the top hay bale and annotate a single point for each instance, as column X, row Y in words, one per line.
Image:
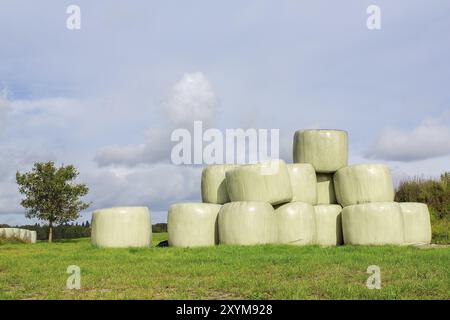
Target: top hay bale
column 326, row 150
column 267, row 181
column 363, row 183
column 214, row 188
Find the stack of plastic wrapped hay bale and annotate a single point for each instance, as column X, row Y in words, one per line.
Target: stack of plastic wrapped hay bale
column 25, row 235
column 318, row 199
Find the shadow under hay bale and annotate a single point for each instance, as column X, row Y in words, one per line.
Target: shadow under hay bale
column 163, row 244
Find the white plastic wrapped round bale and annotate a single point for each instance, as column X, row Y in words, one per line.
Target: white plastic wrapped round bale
column 326, row 150
column 363, row 183
column 27, row 236
column 247, row 223
column 374, row 223
column 33, row 236
column 16, row 233
column 325, row 189
column 303, row 182
column 328, row 224
column 193, row 224
column 121, row 227
column 295, row 223
column 3, row 233
column 214, row 188
column 267, row 182
column 416, row 221
column 23, row 235
column 8, row 233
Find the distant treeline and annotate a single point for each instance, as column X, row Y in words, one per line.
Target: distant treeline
column 72, row 231
column 435, row 193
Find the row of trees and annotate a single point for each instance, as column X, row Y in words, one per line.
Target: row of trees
column 71, row 231
column 63, row 231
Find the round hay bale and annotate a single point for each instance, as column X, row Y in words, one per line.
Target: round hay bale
column 328, row 224
column 325, row 189
column 28, row 236
column 247, row 223
column 416, row 222
column 121, row 227
column 363, row 183
column 267, row 181
column 16, row 233
column 23, row 234
column 326, row 150
column 295, row 223
column 33, row 236
column 193, row 224
column 303, row 182
column 214, row 188
column 8, row 233
column 373, row 224
column 2, row 232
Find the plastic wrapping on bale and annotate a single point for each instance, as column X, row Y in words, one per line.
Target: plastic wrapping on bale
column 325, row 189
column 12, row 233
column 23, row 234
column 18, row 233
column 214, row 188
column 28, row 236
column 326, row 150
column 3, row 233
column 416, row 222
column 267, row 181
column 247, row 223
column 121, row 227
column 193, row 224
column 328, row 224
column 295, row 223
column 33, row 236
column 363, row 183
column 303, row 182
column 373, row 224
column 8, row 233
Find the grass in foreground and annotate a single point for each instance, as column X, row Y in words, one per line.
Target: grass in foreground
column 224, row 272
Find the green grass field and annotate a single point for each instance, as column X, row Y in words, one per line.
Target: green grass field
column 223, row 272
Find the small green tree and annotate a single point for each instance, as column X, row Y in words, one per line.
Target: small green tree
column 51, row 194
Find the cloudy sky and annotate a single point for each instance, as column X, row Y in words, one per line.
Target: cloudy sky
column 106, row 97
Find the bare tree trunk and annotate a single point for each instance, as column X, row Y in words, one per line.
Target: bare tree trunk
column 50, row 232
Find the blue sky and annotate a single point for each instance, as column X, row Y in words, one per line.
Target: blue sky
column 104, row 97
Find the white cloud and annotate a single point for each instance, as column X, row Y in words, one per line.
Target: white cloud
column 157, row 186
column 428, row 140
column 192, row 98
column 156, row 148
